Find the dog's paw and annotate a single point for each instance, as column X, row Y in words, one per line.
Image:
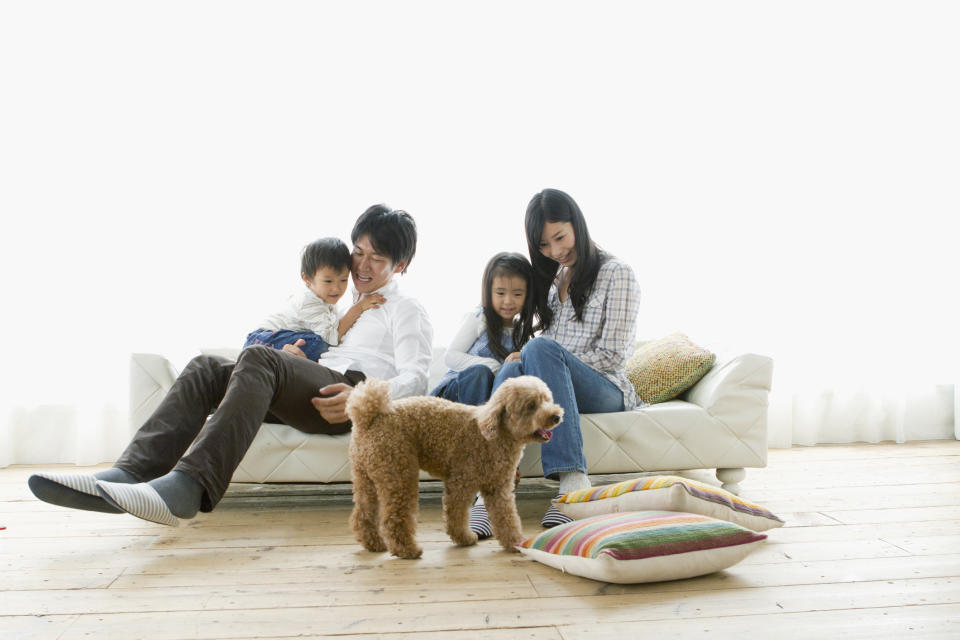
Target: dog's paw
column 372, row 542
column 467, row 539
column 510, row 544
column 408, row 553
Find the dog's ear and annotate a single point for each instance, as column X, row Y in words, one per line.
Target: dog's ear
column 489, row 417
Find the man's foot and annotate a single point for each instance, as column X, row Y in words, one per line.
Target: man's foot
column 480, row 521
column 164, row 500
column 553, row 517
column 140, row 500
column 77, row 490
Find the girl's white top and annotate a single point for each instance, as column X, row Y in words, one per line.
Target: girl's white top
column 472, row 327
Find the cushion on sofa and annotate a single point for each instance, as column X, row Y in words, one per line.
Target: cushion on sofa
column 642, row 546
column 663, row 369
column 670, row 493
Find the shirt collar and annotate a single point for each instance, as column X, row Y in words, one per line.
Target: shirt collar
column 386, row 290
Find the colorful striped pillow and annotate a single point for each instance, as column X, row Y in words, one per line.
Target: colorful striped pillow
column 642, row 546
column 670, row 493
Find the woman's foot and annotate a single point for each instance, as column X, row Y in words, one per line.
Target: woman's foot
column 554, row 517
column 569, row 481
column 77, row 490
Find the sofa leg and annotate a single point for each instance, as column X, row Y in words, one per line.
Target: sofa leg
column 731, row 479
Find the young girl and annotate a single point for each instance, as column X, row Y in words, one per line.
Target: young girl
column 491, row 334
column 587, row 301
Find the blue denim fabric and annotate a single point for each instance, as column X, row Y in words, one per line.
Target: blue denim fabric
column 470, row 386
column 480, row 347
column 315, row 345
column 576, row 387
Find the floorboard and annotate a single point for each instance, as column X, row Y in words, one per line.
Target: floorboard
column 870, row 549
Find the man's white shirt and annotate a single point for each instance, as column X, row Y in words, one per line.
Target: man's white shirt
column 393, row 343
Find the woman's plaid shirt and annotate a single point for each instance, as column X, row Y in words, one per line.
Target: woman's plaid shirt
column 605, row 337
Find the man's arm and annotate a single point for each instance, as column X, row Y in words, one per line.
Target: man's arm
column 412, row 350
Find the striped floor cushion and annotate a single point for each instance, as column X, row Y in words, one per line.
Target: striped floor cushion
column 642, row 546
column 671, row 493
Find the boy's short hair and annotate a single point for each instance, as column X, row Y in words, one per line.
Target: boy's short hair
column 325, row 252
column 392, row 232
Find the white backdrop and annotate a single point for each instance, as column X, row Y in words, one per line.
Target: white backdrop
column 782, row 176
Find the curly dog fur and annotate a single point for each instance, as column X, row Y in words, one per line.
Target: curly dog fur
column 470, row 448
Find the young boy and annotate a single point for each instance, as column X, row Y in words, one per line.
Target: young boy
column 312, row 315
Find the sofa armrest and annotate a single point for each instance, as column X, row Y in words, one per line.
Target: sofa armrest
column 737, row 386
column 151, row 377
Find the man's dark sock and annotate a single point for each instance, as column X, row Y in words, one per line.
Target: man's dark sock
column 180, row 492
column 113, row 474
column 77, row 490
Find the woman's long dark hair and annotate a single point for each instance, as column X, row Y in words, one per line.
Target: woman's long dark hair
column 507, row 264
column 553, row 205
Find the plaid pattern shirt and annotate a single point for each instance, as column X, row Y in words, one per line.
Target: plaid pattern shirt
column 604, row 338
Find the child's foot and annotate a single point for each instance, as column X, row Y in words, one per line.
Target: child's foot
column 164, row 500
column 553, row 517
column 480, row 521
column 77, row 490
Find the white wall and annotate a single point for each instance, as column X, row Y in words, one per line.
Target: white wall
column 782, row 176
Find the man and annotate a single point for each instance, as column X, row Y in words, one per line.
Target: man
column 158, row 479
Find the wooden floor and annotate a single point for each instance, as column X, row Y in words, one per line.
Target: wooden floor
column 871, row 550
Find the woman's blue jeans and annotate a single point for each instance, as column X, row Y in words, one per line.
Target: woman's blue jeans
column 576, row 387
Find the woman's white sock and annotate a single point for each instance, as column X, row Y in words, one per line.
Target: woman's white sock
column 573, row 481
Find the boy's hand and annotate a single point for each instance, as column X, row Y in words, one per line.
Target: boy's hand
column 372, row 301
column 333, row 402
column 295, row 348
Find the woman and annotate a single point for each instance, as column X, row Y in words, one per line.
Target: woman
column 587, row 301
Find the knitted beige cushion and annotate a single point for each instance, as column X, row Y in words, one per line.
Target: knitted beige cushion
column 663, row 369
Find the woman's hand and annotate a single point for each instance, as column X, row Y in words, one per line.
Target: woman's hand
column 332, row 404
column 513, row 357
column 295, row 348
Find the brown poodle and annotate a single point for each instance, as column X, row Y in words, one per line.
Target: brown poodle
column 470, row 448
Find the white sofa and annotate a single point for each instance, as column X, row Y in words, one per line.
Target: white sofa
column 720, row 423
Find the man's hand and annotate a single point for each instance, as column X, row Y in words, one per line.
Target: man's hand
column 295, row 348
column 332, row 406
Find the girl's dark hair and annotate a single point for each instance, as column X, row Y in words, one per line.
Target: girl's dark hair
column 553, row 205
column 325, row 252
column 392, row 233
column 507, row 264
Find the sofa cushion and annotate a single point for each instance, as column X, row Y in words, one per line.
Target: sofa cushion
column 663, row 369
column 670, row 493
column 642, row 546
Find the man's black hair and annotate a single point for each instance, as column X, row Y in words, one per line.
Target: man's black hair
column 392, row 232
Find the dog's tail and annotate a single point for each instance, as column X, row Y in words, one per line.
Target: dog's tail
column 368, row 400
